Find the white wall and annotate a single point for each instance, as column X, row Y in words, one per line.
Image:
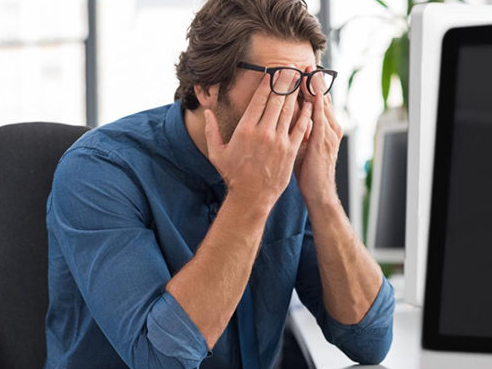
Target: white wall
column 137, row 52
column 42, row 61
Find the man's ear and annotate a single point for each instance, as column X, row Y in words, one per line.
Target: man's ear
column 207, row 98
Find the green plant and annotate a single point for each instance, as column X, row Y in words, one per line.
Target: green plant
column 396, row 57
column 395, row 63
column 395, row 67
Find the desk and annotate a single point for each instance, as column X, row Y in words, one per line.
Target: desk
column 405, row 352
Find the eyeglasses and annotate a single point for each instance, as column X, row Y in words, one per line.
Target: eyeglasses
column 319, row 80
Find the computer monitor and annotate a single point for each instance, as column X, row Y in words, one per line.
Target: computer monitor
column 458, row 300
column 429, row 24
column 347, row 180
column 386, row 222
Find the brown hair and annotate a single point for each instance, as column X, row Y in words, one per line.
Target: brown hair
column 219, row 38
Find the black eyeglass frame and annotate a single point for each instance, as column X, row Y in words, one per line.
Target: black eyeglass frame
column 273, row 70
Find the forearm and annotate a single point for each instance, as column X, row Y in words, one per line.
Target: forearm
column 210, row 286
column 350, row 277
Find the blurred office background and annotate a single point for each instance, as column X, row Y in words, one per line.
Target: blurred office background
column 46, row 59
column 90, row 62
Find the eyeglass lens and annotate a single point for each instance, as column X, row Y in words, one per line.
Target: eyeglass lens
column 320, row 81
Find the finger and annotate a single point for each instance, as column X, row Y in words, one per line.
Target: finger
column 256, row 106
column 319, row 119
column 305, row 92
column 276, row 102
column 212, row 133
column 318, row 83
column 287, row 111
column 301, row 126
column 328, row 98
column 330, row 115
column 308, row 131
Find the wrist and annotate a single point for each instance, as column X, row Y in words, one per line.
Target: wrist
column 326, row 201
column 249, row 206
column 328, row 205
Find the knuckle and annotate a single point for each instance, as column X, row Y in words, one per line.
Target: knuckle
column 301, row 124
column 336, row 127
column 245, row 130
column 277, row 101
column 266, row 136
column 339, row 132
column 287, row 110
column 262, row 99
column 291, row 150
column 284, row 145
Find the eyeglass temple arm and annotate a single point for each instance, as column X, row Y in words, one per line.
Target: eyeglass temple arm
column 252, row 67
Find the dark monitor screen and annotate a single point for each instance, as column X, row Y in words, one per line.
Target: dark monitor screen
column 342, row 177
column 391, row 208
column 458, row 302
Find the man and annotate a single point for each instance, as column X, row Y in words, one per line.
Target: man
column 178, row 234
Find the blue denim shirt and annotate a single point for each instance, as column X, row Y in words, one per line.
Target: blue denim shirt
column 131, row 202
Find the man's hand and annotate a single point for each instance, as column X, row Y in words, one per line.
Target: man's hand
column 258, row 161
column 316, row 162
column 339, row 251
column 256, row 165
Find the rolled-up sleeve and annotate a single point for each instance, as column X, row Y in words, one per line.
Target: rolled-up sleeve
column 367, row 342
column 97, row 215
column 173, row 333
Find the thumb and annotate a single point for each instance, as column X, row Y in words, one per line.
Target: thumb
column 212, row 134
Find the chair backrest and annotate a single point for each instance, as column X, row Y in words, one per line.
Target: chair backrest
column 29, row 153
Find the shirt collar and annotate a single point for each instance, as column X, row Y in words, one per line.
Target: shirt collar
column 186, row 154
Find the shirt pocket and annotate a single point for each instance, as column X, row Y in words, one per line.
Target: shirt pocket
column 275, row 272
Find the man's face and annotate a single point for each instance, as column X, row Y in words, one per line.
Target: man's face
column 266, row 51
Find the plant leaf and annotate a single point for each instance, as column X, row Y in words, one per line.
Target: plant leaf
column 396, row 63
column 403, row 66
column 381, row 2
column 388, row 70
column 351, row 78
column 366, row 199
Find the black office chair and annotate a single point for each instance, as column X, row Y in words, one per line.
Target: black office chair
column 29, row 153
